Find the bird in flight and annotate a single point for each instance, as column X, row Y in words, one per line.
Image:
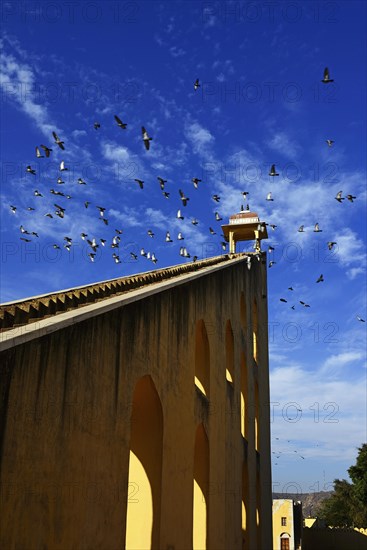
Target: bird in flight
column 320, row 279
column 47, row 150
column 161, row 182
column 38, row 154
column 217, row 217
column 301, row 229
column 339, row 197
column 30, row 170
column 196, row 84
column 120, row 124
column 273, row 172
column 96, row 125
column 140, row 182
column 326, row 78
column 330, row 244
column 58, row 141
column 146, row 138
column 351, row 198
column 183, row 198
column 62, row 166
column 179, row 215
column 330, row 142
column 196, row 182
column 317, row 228
column 216, row 198
column 360, row 319
column 269, row 197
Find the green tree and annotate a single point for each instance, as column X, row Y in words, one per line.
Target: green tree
column 347, row 507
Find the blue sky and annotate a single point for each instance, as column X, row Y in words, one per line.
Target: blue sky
column 260, row 102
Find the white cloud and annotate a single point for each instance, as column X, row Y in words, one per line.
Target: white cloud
column 18, row 81
column 284, row 145
column 200, row 138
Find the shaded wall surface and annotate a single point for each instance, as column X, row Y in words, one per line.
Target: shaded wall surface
column 73, row 405
column 333, row 539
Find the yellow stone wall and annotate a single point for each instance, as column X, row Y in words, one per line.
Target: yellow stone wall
column 107, row 442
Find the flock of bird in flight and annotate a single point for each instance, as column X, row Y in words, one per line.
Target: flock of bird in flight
column 94, row 244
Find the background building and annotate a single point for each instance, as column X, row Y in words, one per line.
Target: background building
column 287, row 524
column 135, row 412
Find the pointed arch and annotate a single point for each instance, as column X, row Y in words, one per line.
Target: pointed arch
column 245, row 506
column 145, row 468
column 202, row 358
column 255, row 328
column 229, row 352
column 244, row 397
column 201, row 489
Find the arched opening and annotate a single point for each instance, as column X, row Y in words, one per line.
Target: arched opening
column 245, row 507
column 284, row 541
column 257, row 416
column 202, row 358
column 243, row 315
column 229, row 352
column 258, row 511
column 244, row 397
column 145, row 468
column 201, row 489
column 255, row 327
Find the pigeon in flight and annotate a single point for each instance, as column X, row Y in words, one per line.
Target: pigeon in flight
column 320, row 279
column 58, row 141
column 116, row 258
column 91, row 256
column 81, row 181
column 183, row 198
column 146, row 138
column 304, row 304
column 326, row 78
column 216, row 198
column 217, row 217
column 93, row 244
column 47, row 150
column 180, row 237
column 37, row 193
column 140, row 182
column 150, row 233
column 330, row 244
column 120, row 124
column 13, row 208
column 29, row 208
column 273, row 172
column 271, row 263
column 245, row 193
column 196, row 182
column 290, row 288
column 301, row 229
column 330, row 142
column 96, row 125
column 161, row 182
column 360, row 319
column 351, row 198
column 194, row 221
column 269, row 197
column 179, row 215
column 212, row 232
column 25, row 240
column 31, row 170
column 86, row 204
column 317, row 228
column 101, row 210
column 38, row 154
column 60, row 181
column 134, row 256
column 339, row 197
column 271, row 249
column 168, row 238
column 196, row 84
column 62, row 166
column 283, row 300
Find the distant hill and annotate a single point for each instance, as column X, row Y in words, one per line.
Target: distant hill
column 310, row 501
